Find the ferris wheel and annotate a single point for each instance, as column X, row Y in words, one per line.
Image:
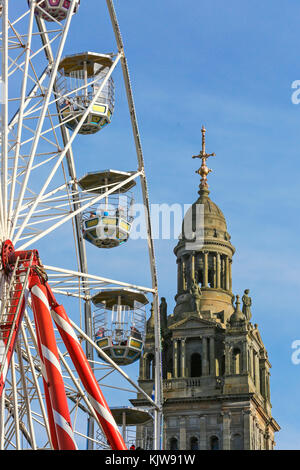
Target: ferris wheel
column 66, row 335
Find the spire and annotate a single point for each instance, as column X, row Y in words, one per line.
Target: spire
column 203, row 171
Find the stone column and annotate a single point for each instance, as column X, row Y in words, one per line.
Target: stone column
column 183, row 358
column 215, row 270
column 183, row 274
column 247, row 429
column 226, row 430
column 245, row 358
column 268, row 440
column 212, row 356
column 143, row 371
column 257, row 372
column 205, row 364
column 255, row 433
column 192, row 261
column 205, row 273
column 175, row 358
column 251, row 362
column 203, row 437
column 268, row 386
column 227, row 359
column 263, row 382
column 227, row 273
column 182, row 433
column 222, row 285
column 179, row 275
column 254, row 367
column 165, row 438
column 230, row 275
column 218, row 271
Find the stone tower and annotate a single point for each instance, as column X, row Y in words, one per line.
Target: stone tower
column 216, row 372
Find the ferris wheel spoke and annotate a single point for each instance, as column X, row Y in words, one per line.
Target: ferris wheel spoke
column 21, row 113
column 62, row 155
column 30, row 97
column 4, row 114
column 43, row 113
column 34, row 369
column 15, row 402
column 26, row 396
column 67, row 217
column 90, row 277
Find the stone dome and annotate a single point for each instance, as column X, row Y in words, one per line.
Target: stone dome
column 205, row 215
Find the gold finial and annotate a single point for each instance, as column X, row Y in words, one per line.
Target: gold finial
column 203, row 170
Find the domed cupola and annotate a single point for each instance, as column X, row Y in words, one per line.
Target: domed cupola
column 204, row 254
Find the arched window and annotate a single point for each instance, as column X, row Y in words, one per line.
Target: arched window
column 196, row 365
column 173, row 443
column 236, row 361
column 150, row 365
column 214, row 443
column 194, row 443
column 237, row 442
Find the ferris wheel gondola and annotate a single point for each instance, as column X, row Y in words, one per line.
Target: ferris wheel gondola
column 54, row 10
column 80, row 77
column 119, row 324
column 108, row 224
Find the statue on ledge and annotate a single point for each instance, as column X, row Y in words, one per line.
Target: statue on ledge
column 163, row 314
column 196, row 293
column 247, row 302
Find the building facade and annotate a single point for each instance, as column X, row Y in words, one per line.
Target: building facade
column 216, row 371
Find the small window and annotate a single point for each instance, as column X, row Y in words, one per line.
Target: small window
column 196, row 365
column 173, row 444
column 194, row 443
column 214, row 443
column 150, row 366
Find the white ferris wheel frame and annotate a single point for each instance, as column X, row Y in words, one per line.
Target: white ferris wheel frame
column 53, row 204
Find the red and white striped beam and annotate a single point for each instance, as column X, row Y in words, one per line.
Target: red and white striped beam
column 105, row 417
column 50, row 359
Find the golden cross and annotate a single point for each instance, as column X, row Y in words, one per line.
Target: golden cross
column 204, row 170
column 202, row 153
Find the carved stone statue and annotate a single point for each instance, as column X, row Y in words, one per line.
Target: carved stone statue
column 163, row 313
column 247, row 302
column 196, row 293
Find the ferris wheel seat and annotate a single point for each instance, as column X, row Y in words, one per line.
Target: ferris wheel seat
column 98, row 117
column 123, row 352
column 57, row 9
column 106, row 231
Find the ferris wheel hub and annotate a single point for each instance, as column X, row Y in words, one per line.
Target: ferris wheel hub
column 7, row 254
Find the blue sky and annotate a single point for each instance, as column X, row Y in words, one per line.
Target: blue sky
column 230, row 66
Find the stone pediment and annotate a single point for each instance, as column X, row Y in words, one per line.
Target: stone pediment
column 191, row 320
column 256, row 334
